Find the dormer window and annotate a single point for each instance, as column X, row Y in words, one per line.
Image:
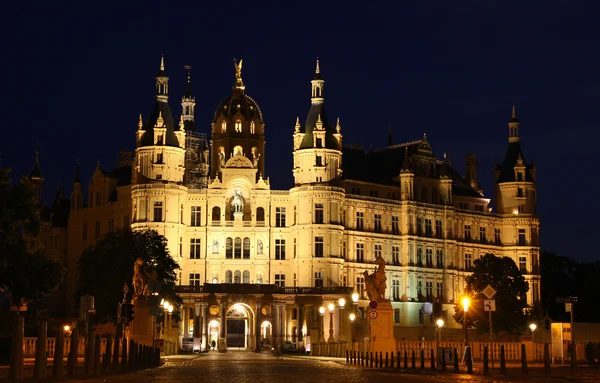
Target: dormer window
column 238, row 126
column 159, row 158
column 520, row 176
column 159, row 139
column 252, row 127
column 319, row 161
column 223, row 127
column 319, row 143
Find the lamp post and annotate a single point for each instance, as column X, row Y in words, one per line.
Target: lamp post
column 352, row 319
column 322, row 312
column 532, row 327
column 439, row 324
column 466, row 302
column 342, row 304
column 331, row 308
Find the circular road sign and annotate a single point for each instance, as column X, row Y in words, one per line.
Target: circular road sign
column 373, row 314
column 373, row 304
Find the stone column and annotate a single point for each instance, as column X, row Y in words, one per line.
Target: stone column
column 300, row 321
column 197, row 327
column 283, row 332
column 223, row 327
column 275, row 325
column 258, row 328
column 204, row 340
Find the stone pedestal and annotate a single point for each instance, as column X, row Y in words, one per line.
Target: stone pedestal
column 382, row 329
column 140, row 329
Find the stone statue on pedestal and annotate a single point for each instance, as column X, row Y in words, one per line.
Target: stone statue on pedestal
column 375, row 283
column 140, row 278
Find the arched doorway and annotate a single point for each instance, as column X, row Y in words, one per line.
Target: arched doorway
column 240, row 319
column 266, row 331
column 213, row 334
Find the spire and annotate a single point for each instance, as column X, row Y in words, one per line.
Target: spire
column 318, row 70
column 162, row 63
column 77, row 174
column 513, row 127
column 188, row 90
column 338, row 127
column 36, row 173
column 140, row 122
column 317, row 84
column 297, row 127
column 319, row 124
column 390, row 141
column 162, row 83
column 405, row 162
column 239, row 83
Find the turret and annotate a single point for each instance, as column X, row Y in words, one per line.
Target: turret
column 317, row 147
column 471, row 171
column 188, row 103
column 77, row 193
column 407, row 179
column 37, row 180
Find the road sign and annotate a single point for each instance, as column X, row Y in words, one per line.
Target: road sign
column 566, row 300
column 373, row 304
column 489, row 304
column 568, row 307
column 373, row 314
column 489, row 291
column 427, row 308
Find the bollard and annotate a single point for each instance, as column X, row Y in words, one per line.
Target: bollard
column 347, row 358
column 386, row 359
column 422, row 359
column 124, row 357
column 108, row 355
column 392, row 359
column 432, row 360
column 469, row 359
column 363, row 355
column 88, row 361
column 97, row 355
column 523, row 360
column 414, row 360
column 405, row 360
column 72, row 358
column 371, row 363
column 115, row 360
column 16, row 355
column 443, row 360
column 455, row 351
column 376, row 360
column 381, row 359
column 398, row 359
column 546, row 359
column 502, row 361
column 157, row 357
column 152, row 357
column 40, row 352
column 59, row 352
column 486, row 367
column 132, row 362
column 140, row 357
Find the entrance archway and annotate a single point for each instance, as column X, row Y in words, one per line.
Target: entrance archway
column 266, row 331
column 213, row 334
column 240, row 320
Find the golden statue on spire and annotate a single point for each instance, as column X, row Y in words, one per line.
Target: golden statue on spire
column 238, row 69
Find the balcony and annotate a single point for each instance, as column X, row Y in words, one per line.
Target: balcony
column 251, row 288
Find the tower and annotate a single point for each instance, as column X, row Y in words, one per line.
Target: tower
column 77, row 193
column 515, row 179
column 471, row 171
column 188, row 103
column 317, row 147
column 37, row 179
column 238, row 128
column 407, row 179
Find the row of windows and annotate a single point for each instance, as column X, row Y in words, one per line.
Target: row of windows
column 238, row 126
column 111, row 227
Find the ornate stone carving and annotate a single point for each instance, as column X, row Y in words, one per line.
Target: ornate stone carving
column 375, row 283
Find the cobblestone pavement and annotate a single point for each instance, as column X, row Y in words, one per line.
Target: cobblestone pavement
column 238, row 367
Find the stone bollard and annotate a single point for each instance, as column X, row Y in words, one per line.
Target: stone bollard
column 97, row 355
column 371, row 359
column 381, row 359
column 73, row 354
column 115, row 355
column 16, row 355
column 413, row 361
column 392, row 359
column 523, row 360
column 40, row 352
column 347, row 357
column 469, row 359
column 486, row 367
column 59, row 353
column 502, row 361
column 376, row 360
column 405, row 360
column 432, row 360
column 386, row 359
column 107, row 355
column 546, row 360
column 422, row 359
column 455, row 351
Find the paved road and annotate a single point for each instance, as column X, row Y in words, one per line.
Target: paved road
column 237, row 367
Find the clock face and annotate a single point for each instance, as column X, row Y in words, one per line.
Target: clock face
column 214, row 310
column 266, row 310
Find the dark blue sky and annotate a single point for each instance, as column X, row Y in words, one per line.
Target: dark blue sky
column 76, row 76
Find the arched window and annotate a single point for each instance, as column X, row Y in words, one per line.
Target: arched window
column 260, row 214
column 237, row 277
column 246, row 276
column 216, row 214
column 228, row 276
column 238, row 248
column 246, row 248
column 229, row 248
column 223, row 127
column 252, row 128
column 238, row 126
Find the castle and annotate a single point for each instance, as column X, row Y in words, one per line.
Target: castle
column 256, row 263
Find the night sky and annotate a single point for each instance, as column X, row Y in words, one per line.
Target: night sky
column 75, row 78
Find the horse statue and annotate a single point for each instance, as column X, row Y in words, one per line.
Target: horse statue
column 375, row 283
column 140, row 278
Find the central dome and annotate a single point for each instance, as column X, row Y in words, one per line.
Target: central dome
column 239, row 103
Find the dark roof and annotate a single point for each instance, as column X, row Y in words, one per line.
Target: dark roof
column 315, row 111
column 36, row 172
column 507, row 169
column 122, row 174
column 239, row 103
column 189, row 126
column 60, row 210
column 170, row 138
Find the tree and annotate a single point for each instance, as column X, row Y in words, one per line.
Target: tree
column 106, row 266
column 511, row 289
column 24, row 276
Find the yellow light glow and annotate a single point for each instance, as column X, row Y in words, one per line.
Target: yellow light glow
column 321, row 310
column 466, row 301
column 439, row 323
column 166, row 304
column 342, row 302
column 352, row 317
column 533, row 326
column 67, row 328
column 170, row 309
column 355, row 297
column 331, row 307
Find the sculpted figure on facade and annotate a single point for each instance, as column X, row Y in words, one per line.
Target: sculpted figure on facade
column 140, row 278
column 375, row 283
column 215, row 246
column 259, row 246
column 237, row 203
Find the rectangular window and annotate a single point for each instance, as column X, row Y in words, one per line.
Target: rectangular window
column 195, row 248
column 419, row 257
column 159, row 158
column 395, row 226
column 396, row 255
column 360, row 286
column 360, row 252
column 319, row 213
column 523, row 264
column 246, row 248
column 237, row 248
column 397, row 317
column 467, row 232
column 360, row 220
column 280, row 249
column 429, row 257
column 428, row 228
column 111, row 225
column 280, row 280
column 419, row 289
column 196, row 216
column 194, row 279
column 419, row 226
column 279, row 217
column 158, row 211
column 97, row 233
column 84, row 231
column 429, row 290
column 396, row 289
column 126, row 222
column 318, row 279
column 439, row 291
column 497, row 237
column 468, row 260
column 522, row 238
column 319, row 247
column 319, row 160
column 439, row 231
column 228, row 248
column 377, row 251
column 482, row 237
column 439, row 257
column 377, row 223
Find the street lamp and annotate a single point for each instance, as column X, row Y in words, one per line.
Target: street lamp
column 331, row 308
column 466, row 301
column 532, row 326
column 342, row 304
column 322, row 312
column 439, row 324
